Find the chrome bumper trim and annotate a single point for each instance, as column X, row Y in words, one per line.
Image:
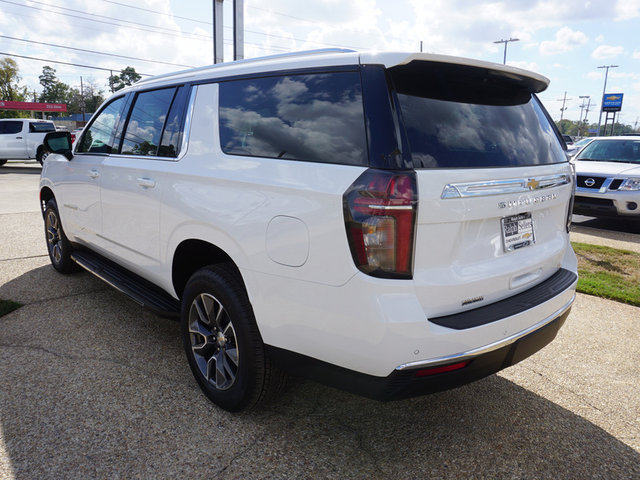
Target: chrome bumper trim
column 487, row 348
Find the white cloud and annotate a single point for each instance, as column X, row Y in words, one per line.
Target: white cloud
column 636, row 55
column 607, row 51
column 565, row 41
column 600, row 38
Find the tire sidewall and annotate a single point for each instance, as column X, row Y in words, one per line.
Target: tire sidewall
column 66, row 264
column 248, row 383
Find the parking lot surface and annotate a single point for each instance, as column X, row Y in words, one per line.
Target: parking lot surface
column 93, row 386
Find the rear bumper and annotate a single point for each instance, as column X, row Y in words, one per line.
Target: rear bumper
column 410, row 380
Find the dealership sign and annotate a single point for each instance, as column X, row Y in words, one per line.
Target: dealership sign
column 33, row 106
column 612, row 102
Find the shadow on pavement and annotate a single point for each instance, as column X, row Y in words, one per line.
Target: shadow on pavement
column 20, row 168
column 94, row 386
column 623, row 225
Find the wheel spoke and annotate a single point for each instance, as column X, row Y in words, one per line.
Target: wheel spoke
column 221, row 371
column 57, row 252
column 232, row 354
column 201, row 308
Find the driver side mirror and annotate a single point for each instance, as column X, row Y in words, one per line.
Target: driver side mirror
column 59, row 142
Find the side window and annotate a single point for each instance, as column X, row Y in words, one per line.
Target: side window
column 10, row 127
column 146, row 122
column 315, row 117
column 41, row 127
column 97, row 138
column 172, row 135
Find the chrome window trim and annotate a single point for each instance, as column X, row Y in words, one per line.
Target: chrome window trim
column 501, row 187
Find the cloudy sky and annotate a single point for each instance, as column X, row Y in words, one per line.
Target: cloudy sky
column 563, row 40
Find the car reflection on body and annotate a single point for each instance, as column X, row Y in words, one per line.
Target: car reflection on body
column 608, row 178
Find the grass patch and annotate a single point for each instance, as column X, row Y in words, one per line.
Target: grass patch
column 8, row 306
column 608, row 272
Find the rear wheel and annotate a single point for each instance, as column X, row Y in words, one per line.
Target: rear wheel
column 58, row 245
column 222, row 342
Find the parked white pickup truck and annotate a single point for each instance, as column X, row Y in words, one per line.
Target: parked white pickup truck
column 21, row 138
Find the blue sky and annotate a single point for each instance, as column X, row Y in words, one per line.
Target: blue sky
column 565, row 41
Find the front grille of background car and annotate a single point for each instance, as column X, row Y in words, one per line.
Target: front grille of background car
column 616, row 184
column 596, row 186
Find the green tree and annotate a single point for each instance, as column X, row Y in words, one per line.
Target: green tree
column 128, row 76
column 10, row 89
column 91, row 95
column 54, row 91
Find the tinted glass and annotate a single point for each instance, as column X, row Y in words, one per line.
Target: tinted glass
column 42, row 127
column 316, row 118
column 144, row 128
column 97, row 138
column 10, row 127
column 172, row 135
column 447, row 134
column 612, row 151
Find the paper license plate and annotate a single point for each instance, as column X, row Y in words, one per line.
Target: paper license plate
column 517, row 231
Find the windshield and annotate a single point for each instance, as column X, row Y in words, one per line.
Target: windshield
column 612, row 151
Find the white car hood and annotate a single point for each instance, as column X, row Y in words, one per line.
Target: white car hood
column 606, row 168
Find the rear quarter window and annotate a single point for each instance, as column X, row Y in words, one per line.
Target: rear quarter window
column 315, row 117
column 41, row 127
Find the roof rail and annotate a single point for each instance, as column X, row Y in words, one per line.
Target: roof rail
column 303, row 53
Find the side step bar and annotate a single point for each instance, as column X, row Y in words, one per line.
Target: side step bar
column 138, row 289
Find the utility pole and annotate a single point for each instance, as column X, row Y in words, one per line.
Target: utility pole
column 82, row 98
column 504, row 60
column 606, row 74
column 420, row 46
column 582, row 107
column 564, row 101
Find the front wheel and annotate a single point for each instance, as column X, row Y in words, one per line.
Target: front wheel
column 58, row 244
column 222, row 342
column 41, row 155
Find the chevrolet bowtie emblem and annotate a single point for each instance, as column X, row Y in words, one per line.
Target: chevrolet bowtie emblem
column 533, row 184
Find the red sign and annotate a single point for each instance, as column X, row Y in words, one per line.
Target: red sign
column 33, row 106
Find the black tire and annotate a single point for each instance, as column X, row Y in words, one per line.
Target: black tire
column 222, row 341
column 41, row 155
column 58, row 245
column 2, row 162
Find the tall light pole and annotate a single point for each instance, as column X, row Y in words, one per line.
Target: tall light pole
column 606, row 74
column 504, row 61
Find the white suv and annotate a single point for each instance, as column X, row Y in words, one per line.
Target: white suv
column 390, row 224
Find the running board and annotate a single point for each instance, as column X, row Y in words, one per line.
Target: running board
column 141, row 291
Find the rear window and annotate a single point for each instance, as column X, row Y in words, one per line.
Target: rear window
column 474, row 122
column 10, row 127
column 41, row 127
column 627, row 151
column 314, row 118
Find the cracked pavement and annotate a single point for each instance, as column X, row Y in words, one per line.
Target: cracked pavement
column 93, row 386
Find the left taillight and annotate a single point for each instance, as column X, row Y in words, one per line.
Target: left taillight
column 380, row 214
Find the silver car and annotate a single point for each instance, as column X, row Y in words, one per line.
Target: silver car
column 608, row 178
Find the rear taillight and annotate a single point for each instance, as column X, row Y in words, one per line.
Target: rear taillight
column 380, row 215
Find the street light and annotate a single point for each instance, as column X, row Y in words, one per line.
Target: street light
column 504, row 61
column 606, row 74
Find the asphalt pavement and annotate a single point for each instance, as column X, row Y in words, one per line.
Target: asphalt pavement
column 93, row 386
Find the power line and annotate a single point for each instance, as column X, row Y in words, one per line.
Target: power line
column 68, row 63
column 174, row 34
column 159, row 13
column 95, row 52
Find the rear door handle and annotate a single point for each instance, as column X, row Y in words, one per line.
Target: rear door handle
column 18, row 138
column 93, row 173
column 146, row 182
